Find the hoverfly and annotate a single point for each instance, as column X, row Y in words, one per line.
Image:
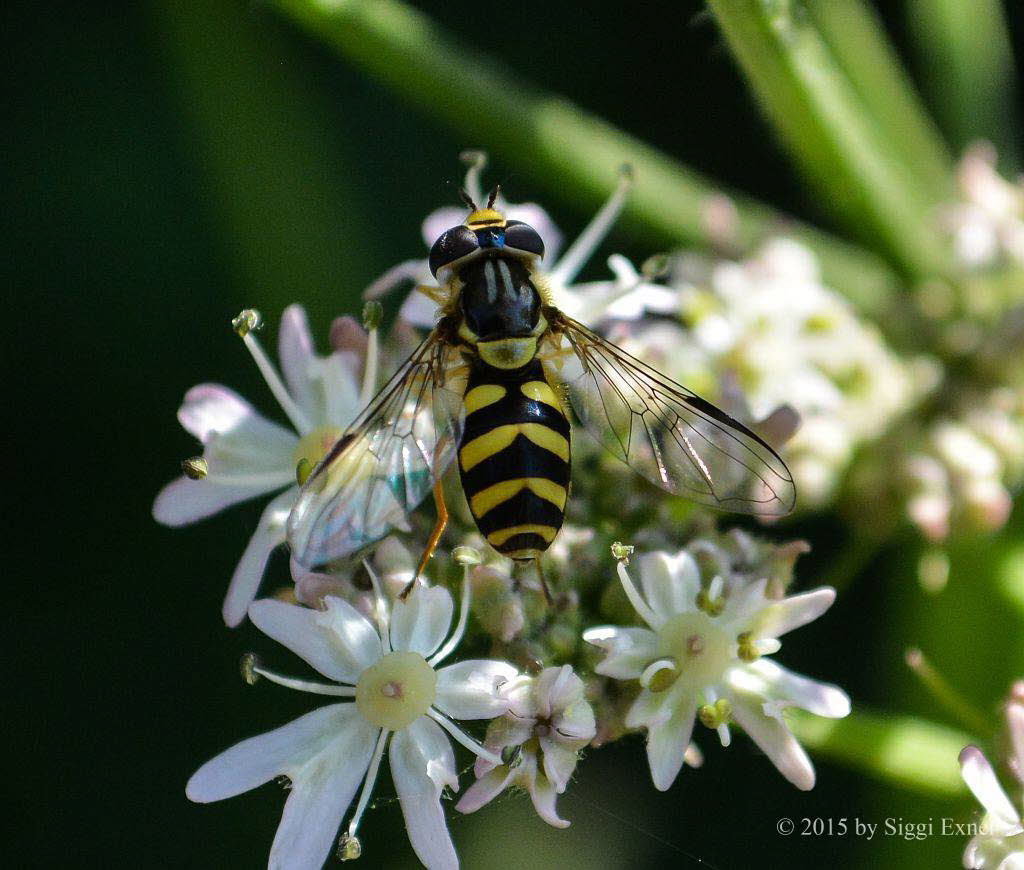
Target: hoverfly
column 492, row 386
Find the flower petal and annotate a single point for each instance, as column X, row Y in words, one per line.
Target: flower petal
column 774, row 739
column 981, row 780
column 651, row 708
column 218, row 416
column 790, row 613
column 282, row 751
column 485, row 789
column 543, row 794
column 321, row 793
column 1015, row 725
column 470, row 689
column 576, row 722
column 440, row 220
column 559, row 762
column 779, row 683
column 555, row 689
column 269, row 534
column 627, row 650
column 670, row 583
column 420, row 622
column 339, row 642
column 339, row 388
column 667, row 742
column 505, row 731
column 422, row 763
column 419, row 310
column 184, row 501
column 297, row 356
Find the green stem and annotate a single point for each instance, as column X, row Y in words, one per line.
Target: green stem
column 841, row 148
column 572, row 152
column 967, row 63
column 858, row 42
column 944, row 693
column 904, row 750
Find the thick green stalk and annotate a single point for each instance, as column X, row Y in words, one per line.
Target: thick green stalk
column 904, row 750
column 858, row 41
column 574, row 153
column 838, row 144
column 967, row 63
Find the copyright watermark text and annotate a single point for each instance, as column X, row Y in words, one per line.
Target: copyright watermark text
column 892, row 826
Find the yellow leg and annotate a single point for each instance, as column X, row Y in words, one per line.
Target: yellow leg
column 435, row 537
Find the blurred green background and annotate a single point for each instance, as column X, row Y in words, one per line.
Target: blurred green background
column 169, row 163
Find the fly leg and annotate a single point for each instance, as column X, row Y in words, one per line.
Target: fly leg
column 434, row 540
column 543, row 582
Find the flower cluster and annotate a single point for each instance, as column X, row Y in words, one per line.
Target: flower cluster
column 789, row 339
column 987, row 225
column 549, row 676
column 965, row 468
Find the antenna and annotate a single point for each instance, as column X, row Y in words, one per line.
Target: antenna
column 466, row 198
column 493, row 196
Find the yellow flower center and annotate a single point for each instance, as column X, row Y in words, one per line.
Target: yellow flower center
column 700, row 648
column 312, row 447
column 397, row 690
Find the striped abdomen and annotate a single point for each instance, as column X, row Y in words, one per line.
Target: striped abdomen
column 514, row 458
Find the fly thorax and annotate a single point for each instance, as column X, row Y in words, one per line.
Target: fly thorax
column 501, row 310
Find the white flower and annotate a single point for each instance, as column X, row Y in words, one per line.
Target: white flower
column 999, row 841
column 246, row 455
column 548, row 722
column 396, row 694
column 701, row 655
column 989, row 222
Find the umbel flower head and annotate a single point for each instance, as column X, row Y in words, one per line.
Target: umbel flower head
column 245, row 455
column 702, row 655
column 548, row 722
column 999, row 843
column 397, row 698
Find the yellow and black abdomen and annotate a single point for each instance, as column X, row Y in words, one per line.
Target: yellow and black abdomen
column 514, row 458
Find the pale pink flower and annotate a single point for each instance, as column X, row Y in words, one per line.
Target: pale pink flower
column 548, row 722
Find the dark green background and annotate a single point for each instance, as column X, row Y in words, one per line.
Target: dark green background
column 170, row 163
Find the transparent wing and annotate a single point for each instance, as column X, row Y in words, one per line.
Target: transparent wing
column 671, row 436
column 387, row 461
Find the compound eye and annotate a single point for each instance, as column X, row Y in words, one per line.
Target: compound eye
column 454, row 244
column 523, row 237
